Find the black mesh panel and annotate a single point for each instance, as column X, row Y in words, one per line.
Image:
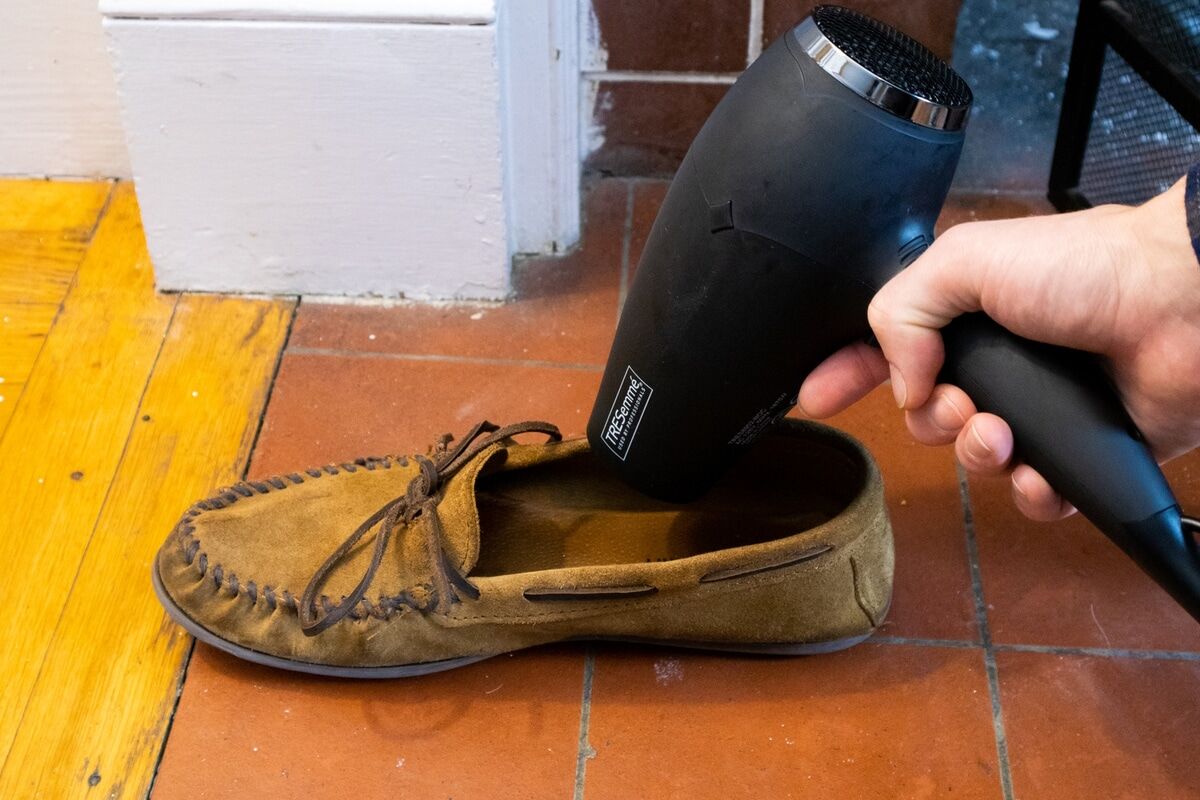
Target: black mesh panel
column 1138, row 144
column 1172, row 25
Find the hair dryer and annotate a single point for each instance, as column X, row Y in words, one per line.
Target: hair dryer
column 816, row 179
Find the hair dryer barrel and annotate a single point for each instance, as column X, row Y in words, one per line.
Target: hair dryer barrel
column 716, row 333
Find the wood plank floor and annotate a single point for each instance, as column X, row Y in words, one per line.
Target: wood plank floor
column 121, row 406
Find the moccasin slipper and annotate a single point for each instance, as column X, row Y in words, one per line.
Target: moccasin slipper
column 395, row 566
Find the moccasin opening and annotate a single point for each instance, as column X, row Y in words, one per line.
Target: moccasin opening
column 575, row 512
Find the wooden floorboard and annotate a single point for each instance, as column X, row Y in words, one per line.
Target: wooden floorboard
column 65, row 439
column 23, row 329
column 45, row 228
column 115, row 661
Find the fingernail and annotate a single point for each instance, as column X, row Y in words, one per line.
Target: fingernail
column 1017, row 488
column 947, row 416
column 977, row 447
column 898, row 388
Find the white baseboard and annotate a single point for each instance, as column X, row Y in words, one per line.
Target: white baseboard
column 332, row 147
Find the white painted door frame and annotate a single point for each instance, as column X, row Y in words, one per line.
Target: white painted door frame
column 539, row 50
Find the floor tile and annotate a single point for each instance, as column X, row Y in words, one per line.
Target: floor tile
column 1064, row 583
column 877, row 721
column 565, row 312
column 1113, row 728
column 932, row 596
column 330, row 408
column 507, row 727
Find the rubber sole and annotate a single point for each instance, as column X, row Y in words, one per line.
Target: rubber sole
column 428, row 667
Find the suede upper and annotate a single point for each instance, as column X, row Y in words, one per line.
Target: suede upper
column 793, row 547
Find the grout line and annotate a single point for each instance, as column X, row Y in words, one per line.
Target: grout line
column 981, row 617
column 498, row 362
column 1101, row 652
column 162, row 744
column 1093, row 652
column 626, row 238
column 630, row 76
column 755, row 40
column 585, row 751
column 985, row 637
column 920, row 642
column 993, row 675
column 137, row 412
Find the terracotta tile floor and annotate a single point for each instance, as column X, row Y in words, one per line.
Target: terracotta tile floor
column 1018, row 660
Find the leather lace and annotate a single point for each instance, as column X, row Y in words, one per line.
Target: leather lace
column 420, row 501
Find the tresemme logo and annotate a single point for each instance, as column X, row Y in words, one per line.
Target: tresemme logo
column 626, row 413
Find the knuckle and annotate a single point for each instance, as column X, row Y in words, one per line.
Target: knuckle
column 951, row 235
column 878, row 313
column 958, row 234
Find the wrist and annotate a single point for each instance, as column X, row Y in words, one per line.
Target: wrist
column 1172, row 335
column 1160, row 230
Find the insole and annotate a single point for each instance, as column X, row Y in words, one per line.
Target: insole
column 576, row 512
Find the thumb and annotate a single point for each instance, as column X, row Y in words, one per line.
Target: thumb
column 908, row 313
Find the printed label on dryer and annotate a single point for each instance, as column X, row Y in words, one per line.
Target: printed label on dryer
column 626, row 413
column 763, row 419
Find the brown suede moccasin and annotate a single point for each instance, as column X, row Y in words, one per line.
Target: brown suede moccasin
column 387, row 567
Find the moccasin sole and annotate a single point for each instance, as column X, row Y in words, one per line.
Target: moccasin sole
column 428, row 667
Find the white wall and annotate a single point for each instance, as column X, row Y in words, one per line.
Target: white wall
column 58, row 100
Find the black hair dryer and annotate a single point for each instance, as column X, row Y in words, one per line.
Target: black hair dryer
column 818, row 177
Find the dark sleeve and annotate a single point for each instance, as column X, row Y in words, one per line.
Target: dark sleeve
column 1191, row 201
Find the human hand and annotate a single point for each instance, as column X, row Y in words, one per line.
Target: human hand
column 1119, row 281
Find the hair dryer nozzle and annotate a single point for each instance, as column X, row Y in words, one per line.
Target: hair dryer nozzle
column 885, row 67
